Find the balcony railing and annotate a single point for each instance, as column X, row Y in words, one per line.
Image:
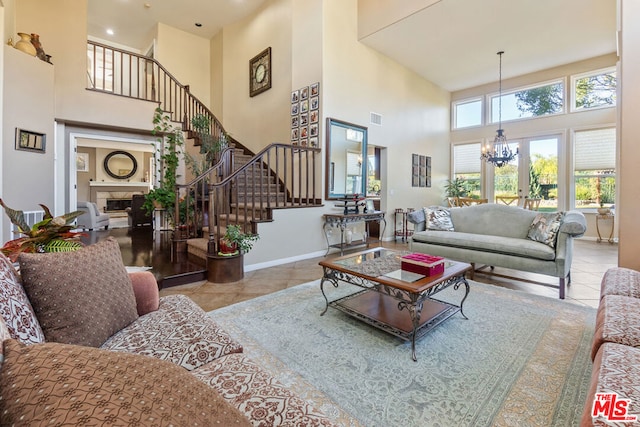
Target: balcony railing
column 132, row 75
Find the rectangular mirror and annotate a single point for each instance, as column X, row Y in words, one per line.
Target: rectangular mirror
column 346, row 168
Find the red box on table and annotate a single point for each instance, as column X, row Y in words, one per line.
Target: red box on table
column 429, row 265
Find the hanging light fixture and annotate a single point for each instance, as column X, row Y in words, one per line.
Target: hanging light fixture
column 498, row 152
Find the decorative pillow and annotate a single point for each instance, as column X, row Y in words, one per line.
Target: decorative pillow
column 80, row 297
column 60, row 384
column 15, row 308
column 545, row 227
column 438, row 218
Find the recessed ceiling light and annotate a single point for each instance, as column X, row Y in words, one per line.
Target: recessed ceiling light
column 198, row 24
column 110, row 31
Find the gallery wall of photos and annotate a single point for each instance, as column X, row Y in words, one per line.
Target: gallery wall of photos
column 305, row 116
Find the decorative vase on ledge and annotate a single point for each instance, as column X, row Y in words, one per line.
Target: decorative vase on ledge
column 25, row 45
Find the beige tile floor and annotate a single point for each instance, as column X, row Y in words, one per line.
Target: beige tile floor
column 590, row 261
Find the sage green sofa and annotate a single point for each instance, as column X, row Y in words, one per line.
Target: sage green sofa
column 496, row 235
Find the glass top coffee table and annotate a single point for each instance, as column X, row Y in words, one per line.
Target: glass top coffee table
column 387, row 291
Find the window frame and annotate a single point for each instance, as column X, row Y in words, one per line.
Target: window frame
column 490, row 96
column 575, row 77
column 454, row 112
column 572, row 171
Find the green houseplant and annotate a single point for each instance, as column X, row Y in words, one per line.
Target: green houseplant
column 455, row 188
column 209, row 147
column 236, row 241
column 167, row 158
column 52, row 234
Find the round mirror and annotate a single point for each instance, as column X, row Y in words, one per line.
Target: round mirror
column 120, row 165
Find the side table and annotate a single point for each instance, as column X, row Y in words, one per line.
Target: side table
column 605, row 217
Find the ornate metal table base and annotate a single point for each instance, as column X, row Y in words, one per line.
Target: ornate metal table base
column 382, row 305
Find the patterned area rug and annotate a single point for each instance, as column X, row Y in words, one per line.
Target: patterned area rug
column 519, row 360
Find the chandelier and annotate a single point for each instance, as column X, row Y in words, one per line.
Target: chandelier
column 498, row 152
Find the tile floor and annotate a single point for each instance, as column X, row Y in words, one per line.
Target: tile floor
column 590, row 261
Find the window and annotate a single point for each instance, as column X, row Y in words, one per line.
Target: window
column 467, row 113
column 595, row 168
column 594, row 90
column 532, row 102
column 466, row 167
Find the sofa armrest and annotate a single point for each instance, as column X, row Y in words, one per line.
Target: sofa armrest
column 418, row 219
column 146, row 291
column 574, row 224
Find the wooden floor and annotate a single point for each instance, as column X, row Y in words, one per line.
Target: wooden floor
column 144, row 247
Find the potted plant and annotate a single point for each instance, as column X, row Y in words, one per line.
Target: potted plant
column 52, row 234
column 170, row 140
column 602, row 210
column 455, row 188
column 235, row 241
column 209, row 147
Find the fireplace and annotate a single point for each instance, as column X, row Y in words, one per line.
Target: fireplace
column 117, row 205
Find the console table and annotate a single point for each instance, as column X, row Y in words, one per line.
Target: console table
column 341, row 221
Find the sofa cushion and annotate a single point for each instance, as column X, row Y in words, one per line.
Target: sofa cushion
column 438, row 218
column 60, row 384
column 545, row 227
column 179, row 331
column 15, row 308
column 493, row 219
column 258, row 395
column 621, row 281
column 617, row 320
column 616, row 369
column 80, row 297
column 497, row 244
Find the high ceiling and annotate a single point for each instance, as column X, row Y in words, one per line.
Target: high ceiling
column 452, row 43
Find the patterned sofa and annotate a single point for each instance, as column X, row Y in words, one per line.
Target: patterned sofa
column 616, row 351
column 500, row 236
column 87, row 343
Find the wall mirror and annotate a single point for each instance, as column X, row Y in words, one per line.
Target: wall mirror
column 346, row 167
column 120, row 165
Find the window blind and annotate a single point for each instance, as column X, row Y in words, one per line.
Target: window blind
column 595, row 149
column 466, row 158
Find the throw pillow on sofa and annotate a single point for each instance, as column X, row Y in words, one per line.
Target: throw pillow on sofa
column 438, row 218
column 544, row 228
column 80, row 297
column 59, row 384
column 15, row 308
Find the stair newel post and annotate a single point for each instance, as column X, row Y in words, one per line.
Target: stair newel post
column 212, row 245
column 180, row 233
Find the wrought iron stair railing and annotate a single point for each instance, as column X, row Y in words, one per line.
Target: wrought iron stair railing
column 280, row 176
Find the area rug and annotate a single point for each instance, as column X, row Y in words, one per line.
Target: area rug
column 519, row 359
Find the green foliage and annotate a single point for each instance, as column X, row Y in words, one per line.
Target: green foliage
column 52, row 234
column 234, row 234
column 201, row 123
column 597, row 90
column 167, row 158
column 455, row 188
column 541, row 100
column 535, row 190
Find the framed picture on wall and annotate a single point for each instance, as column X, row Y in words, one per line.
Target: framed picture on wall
column 82, row 162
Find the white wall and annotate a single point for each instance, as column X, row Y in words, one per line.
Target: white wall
column 187, row 58
column 629, row 131
column 28, row 105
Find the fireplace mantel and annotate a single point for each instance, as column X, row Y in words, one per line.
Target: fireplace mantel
column 118, row 184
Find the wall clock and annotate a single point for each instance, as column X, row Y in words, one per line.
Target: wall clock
column 260, row 72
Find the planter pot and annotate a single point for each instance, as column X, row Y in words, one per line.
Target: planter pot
column 225, row 269
column 604, row 211
column 227, row 248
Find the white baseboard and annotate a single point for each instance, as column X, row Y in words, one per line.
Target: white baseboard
column 267, row 264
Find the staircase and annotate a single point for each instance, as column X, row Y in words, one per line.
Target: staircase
column 241, row 188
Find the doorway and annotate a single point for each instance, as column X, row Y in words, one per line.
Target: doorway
column 532, row 174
